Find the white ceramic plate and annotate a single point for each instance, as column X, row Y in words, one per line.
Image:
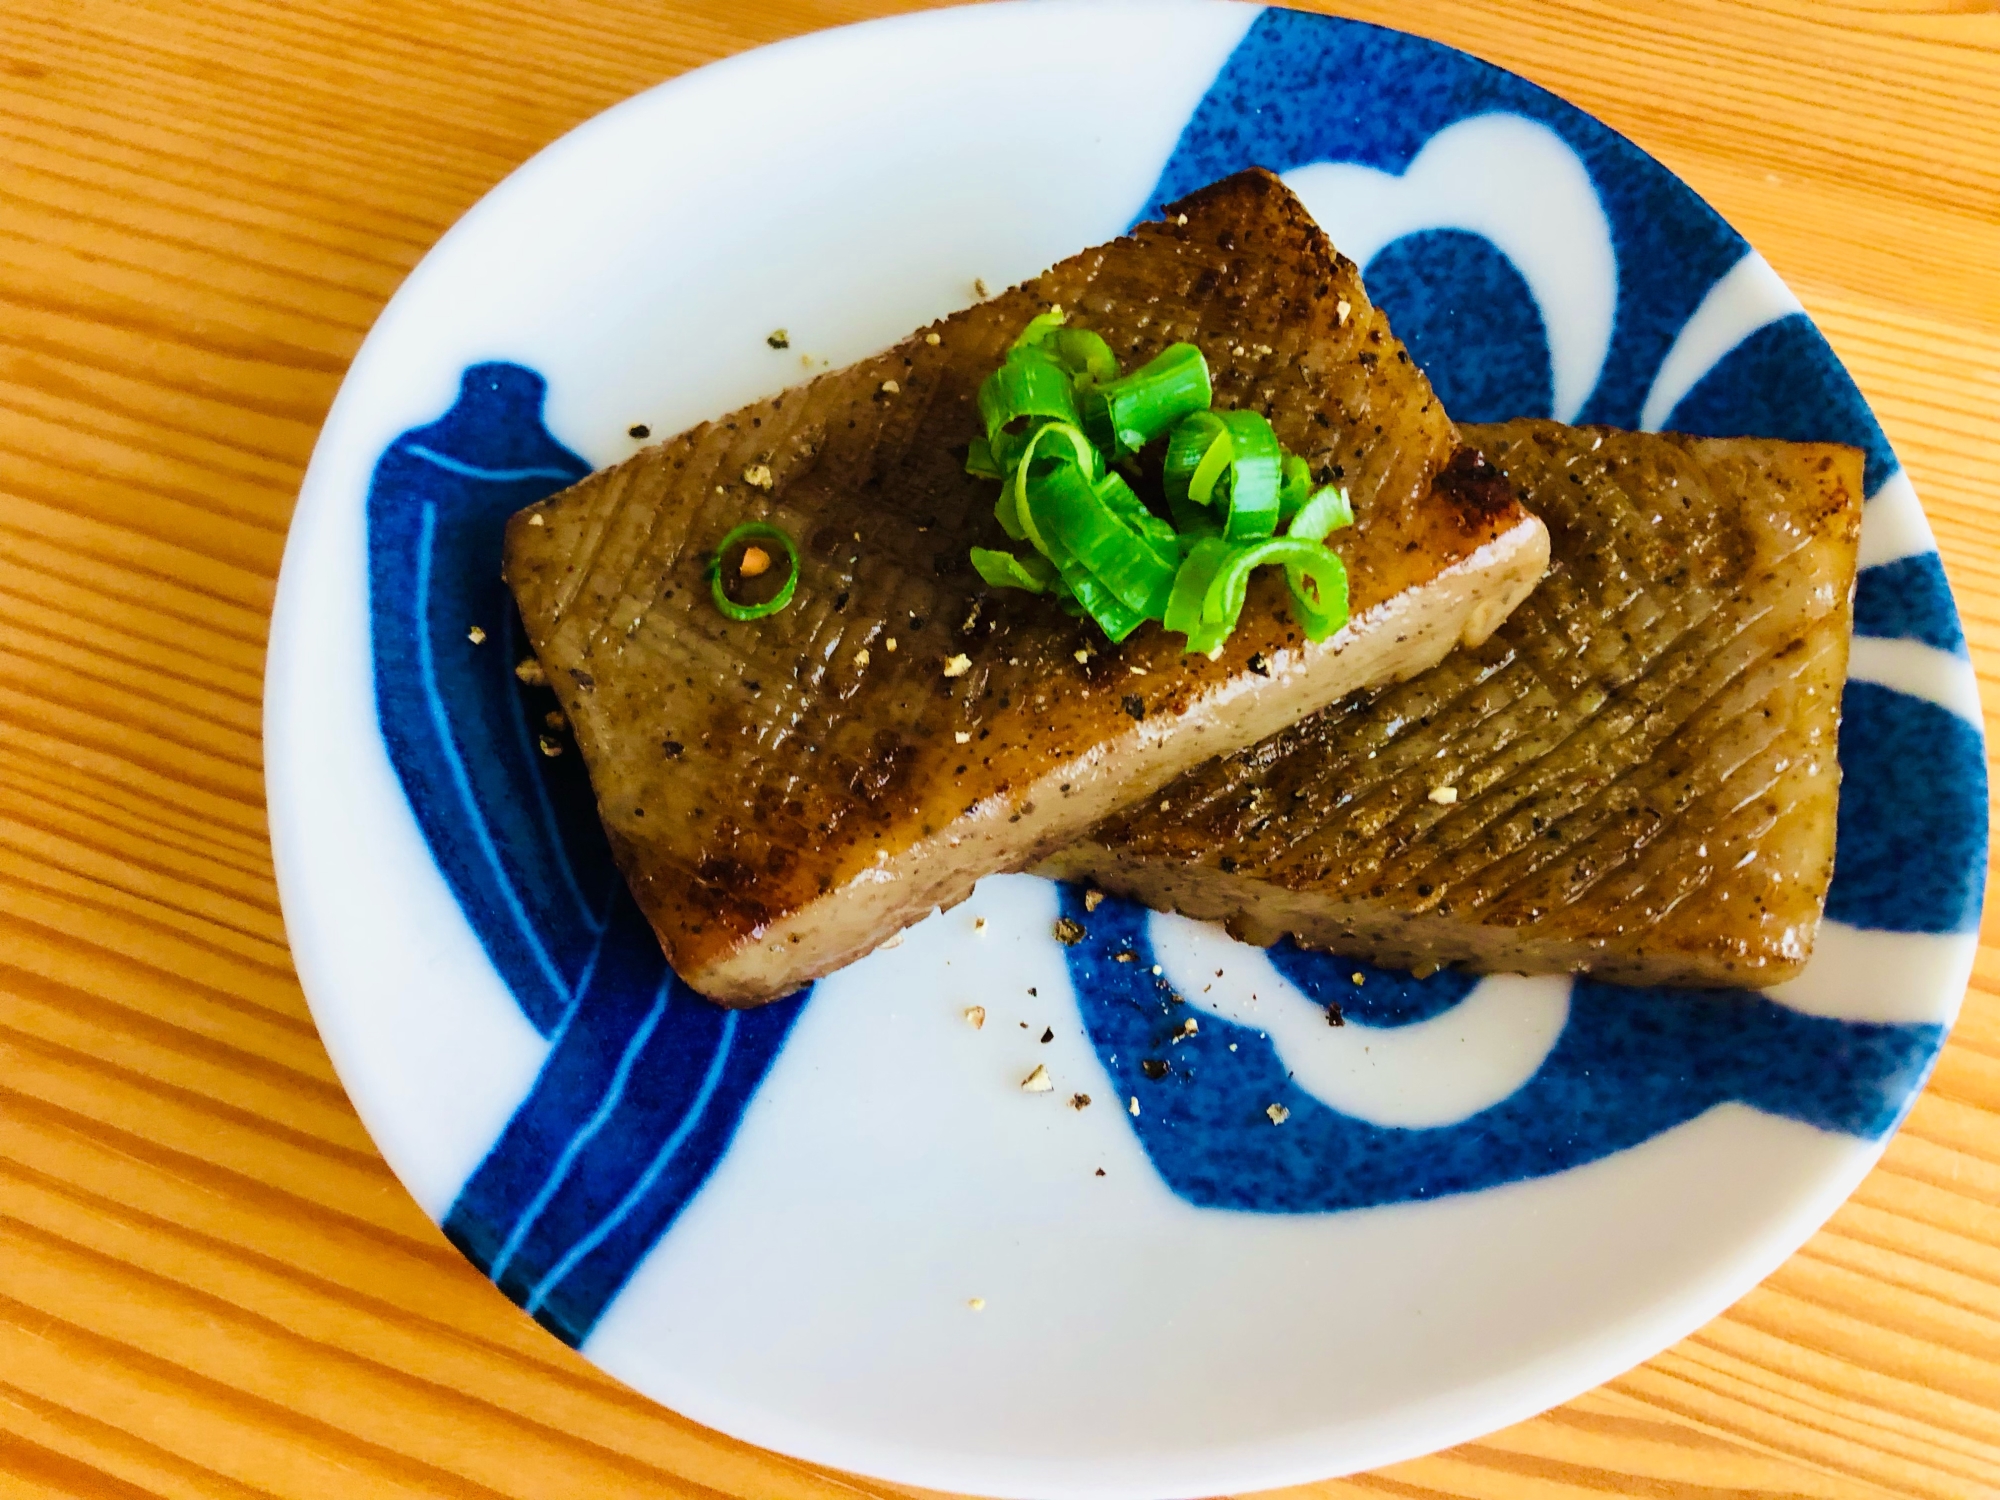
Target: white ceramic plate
column 1487, row 1197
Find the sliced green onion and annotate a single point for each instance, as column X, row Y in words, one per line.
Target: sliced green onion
column 1006, row 571
column 1058, row 414
column 1322, row 608
column 1193, row 522
column 1141, row 571
column 1327, row 512
column 1119, row 498
column 1297, row 486
column 980, row 462
column 1082, row 353
column 1112, row 615
column 1085, row 354
column 1230, row 586
column 1256, row 470
column 1232, row 456
column 1081, row 456
column 1214, row 465
column 1075, row 521
column 1008, row 514
column 1082, row 452
column 753, row 531
column 1027, row 385
column 1038, row 329
column 1184, row 614
column 1125, row 414
column 1007, row 446
column 1190, row 443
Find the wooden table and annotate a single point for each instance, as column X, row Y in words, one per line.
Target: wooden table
column 210, row 1285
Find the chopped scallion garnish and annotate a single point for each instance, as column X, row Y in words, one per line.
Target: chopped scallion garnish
column 1086, row 353
column 1325, row 513
column 754, row 531
column 1256, row 469
column 1004, row 570
column 1058, row 415
column 1038, row 329
column 1026, row 386
column 979, row 460
column 1198, row 452
column 1297, row 487
column 1125, row 414
column 1085, row 518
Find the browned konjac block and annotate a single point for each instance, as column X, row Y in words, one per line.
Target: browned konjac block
column 785, row 794
column 1634, row 776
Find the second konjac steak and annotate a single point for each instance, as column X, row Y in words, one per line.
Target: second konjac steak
column 1635, row 776
column 785, row 794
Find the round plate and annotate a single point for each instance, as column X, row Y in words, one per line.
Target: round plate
column 837, row 1225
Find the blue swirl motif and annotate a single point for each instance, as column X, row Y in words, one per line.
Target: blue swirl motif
column 1629, row 1064
column 645, row 1081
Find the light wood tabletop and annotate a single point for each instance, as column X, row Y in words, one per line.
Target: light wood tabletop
column 210, row 1284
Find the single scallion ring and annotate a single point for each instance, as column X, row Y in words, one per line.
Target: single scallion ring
column 754, row 531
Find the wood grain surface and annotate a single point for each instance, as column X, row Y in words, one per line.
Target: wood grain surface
column 210, row 1285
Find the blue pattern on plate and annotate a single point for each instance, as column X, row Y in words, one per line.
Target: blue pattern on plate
column 639, row 1098
column 1301, row 89
column 1911, row 853
column 1783, row 381
column 1909, row 599
column 440, row 496
column 1450, row 290
column 1385, row 997
column 645, row 1081
column 1629, row 1064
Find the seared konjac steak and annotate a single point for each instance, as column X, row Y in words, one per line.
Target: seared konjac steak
column 783, row 795
column 1642, row 758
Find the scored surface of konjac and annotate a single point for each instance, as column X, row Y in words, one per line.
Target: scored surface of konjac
column 784, row 794
column 1635, row 775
